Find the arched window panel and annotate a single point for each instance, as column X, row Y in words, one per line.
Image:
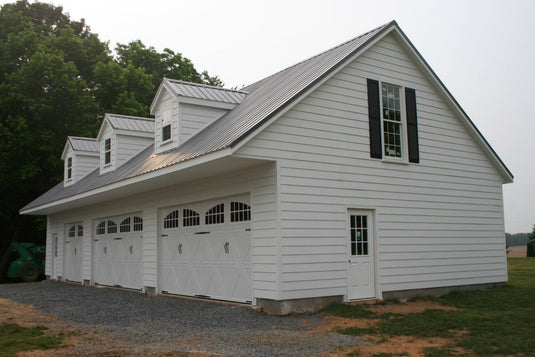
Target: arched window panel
column 138, row 224
column 171, row 220
column 215, row 215
column 125, row 225
column 112, row 227
column 240, row 212
column 72, row 231
column 101, row 228
column 190, row 218
column 80, row 230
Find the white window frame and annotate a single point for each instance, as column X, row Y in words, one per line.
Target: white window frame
column 402, row 123
column 69, row 168
column 107, row 150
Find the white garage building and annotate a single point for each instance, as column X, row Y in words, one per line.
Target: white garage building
column 351, row 175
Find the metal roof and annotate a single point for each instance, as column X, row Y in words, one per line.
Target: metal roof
column 201, row 91
column 83, row 144
column 131, row 123
column 263, row 100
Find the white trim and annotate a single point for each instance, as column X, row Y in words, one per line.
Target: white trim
column 136, row 179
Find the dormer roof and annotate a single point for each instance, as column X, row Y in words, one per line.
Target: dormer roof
column 200, row 92
column 128, row 125
column 87, row 145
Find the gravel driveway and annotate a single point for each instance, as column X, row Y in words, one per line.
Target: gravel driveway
column 175, row 324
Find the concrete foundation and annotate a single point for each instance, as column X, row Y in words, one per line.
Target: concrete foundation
column 296, row 306
column 409, row 294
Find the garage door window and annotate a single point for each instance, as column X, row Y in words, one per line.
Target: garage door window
column 190, row 218
column 171, row 220
column 125, row 225
column 101, row 228
column 72, row 231
column 112, row 227
column 215, row 215
column 138, row 224
column 239, row 212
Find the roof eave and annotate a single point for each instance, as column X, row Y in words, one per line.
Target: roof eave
column 54, row 205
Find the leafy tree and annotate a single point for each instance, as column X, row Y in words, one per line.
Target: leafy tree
column 57, row 78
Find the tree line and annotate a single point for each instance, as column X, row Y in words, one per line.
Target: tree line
column 58, row 78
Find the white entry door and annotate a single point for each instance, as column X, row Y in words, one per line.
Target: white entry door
column 73, row 244
column 118, row 252
column 361, row 273
column 204, row 250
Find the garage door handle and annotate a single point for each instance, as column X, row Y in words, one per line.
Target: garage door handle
column 117, row 238
column 247, row 229
column 164, row 235
column 202, row 232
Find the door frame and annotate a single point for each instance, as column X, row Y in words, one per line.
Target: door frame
column 55, row 249
column 372, row 212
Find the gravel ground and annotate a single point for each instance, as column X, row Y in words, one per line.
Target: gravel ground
column 175, row 324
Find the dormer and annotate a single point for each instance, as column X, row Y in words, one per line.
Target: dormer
column 80, row 157
column 182, row 109
column 121, row 137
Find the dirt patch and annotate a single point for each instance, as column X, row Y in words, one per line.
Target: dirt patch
column 375, row 344
column 519, row 251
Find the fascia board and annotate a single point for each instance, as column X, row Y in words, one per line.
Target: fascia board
column 206, row 102
column 448, row 97
column 142, row 134
column 133, row 180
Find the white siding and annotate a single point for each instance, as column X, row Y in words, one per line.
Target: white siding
column 129, row 146
column 167, row 102
column 193, row 118
column 84, row 164
column 440, row 222
column 259, row 181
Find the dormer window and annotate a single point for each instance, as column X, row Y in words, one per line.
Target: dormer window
column 69, row 168
column 107, row 151
column 166, row 132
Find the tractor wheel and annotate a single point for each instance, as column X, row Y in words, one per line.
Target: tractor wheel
column 29, row 272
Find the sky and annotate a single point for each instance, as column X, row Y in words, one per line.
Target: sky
column 483, row 51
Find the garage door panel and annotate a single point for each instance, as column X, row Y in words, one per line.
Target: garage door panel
column 208, row 256
column 118, row 252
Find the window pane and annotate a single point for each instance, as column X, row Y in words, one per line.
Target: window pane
column 101, row 228
column 112, row 227
column 166, row 132
column 171, row 220
column 80, row 229
column 215, row 214
column 190, row 218
column 138, row 224
column 125, row 225
column 71, row 231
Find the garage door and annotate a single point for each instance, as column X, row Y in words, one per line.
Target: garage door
column 118, row 251
column 204, row 250
column 74, row 234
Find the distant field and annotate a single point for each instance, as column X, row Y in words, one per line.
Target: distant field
column 518, row 251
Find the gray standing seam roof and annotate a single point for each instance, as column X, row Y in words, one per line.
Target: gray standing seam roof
column 201, row 91
column 83, row 144
column 126, row 122
column 263, row 100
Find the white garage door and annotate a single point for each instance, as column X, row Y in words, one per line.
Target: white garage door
column 204, row 250
column 118, row 251
column 74, row 234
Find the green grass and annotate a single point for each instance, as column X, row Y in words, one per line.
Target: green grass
column 15, row 338
column 494, row 322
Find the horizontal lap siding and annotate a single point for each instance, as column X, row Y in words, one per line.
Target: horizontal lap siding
column 440, row 223
column 193, row 118
column 259, row 181
column 130, row 146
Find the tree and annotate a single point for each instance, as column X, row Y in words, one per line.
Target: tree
column 57, row 78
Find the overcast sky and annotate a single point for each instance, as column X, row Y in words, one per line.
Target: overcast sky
column 483, row 51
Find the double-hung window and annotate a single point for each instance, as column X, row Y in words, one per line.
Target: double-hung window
column 107, row 151
column 166, row 132
column 69, row 168
column 393, row 122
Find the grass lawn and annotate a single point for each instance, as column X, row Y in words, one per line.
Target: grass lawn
column 494, row 322
column 15, row 338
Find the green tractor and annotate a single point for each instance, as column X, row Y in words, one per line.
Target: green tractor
column 26, row 261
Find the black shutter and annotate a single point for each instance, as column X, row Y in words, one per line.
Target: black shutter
column 412, row 125
column 374, row 113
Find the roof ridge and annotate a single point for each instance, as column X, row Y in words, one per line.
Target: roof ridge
column 82, row 138
column 205, row 85
column 129, row 117
column 323, row 52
